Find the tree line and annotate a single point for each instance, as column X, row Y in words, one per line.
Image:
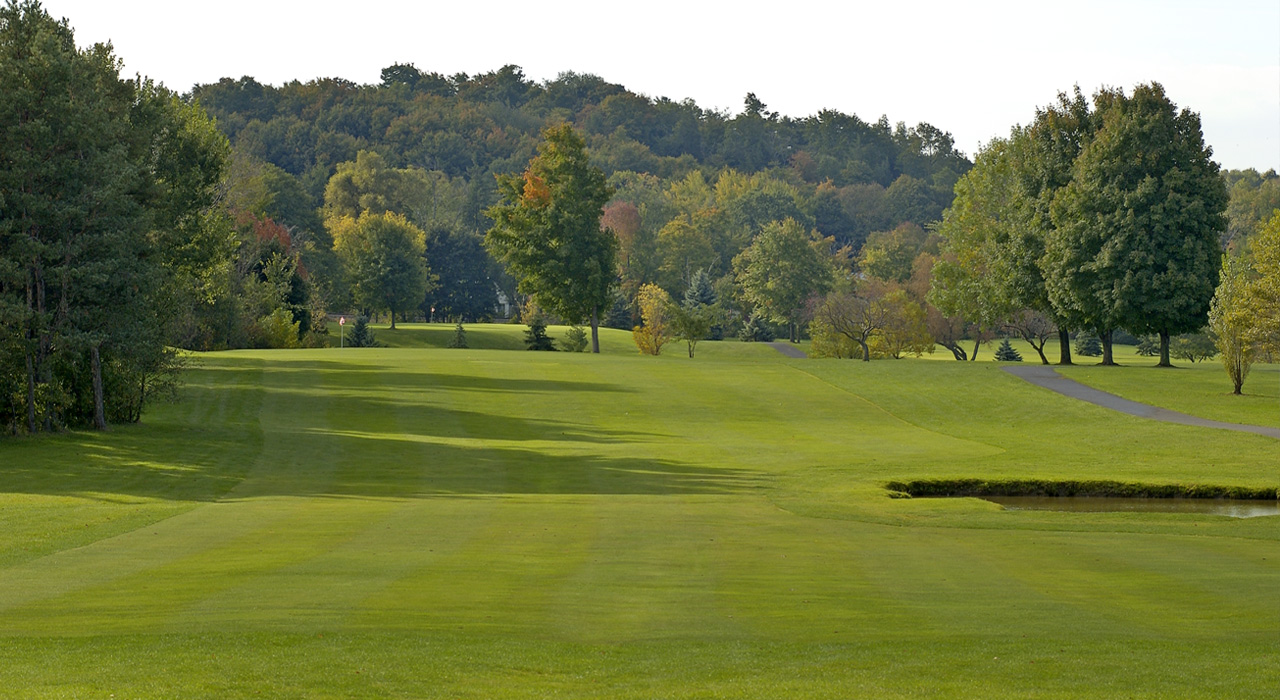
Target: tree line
column 316, row 164
column 134, row 223
column 107, row 231
column 1103, row 216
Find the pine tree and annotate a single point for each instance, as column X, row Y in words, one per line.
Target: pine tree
column 459, row 339
column 575, row 339
column 536, row 337
column 756, row 329
column 1006, row 353
column 1088, row 345
column 361, row 336
column 700, row 291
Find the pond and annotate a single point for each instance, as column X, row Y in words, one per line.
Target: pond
column 1235, row 508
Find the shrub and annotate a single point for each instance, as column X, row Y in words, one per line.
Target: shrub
column 826, row 342
column 278, row 329
column 575, row 339
column 1193, row 347
column 1149, row 346
column 655, row 309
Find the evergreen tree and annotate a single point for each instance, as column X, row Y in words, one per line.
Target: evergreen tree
column 700, row 291
column 536, row 338
column 756, row 329
column 361, row 335
column 575, row 339
column 105, row 185
column 459, row 339
column 1006, row 353
column 1088, row 345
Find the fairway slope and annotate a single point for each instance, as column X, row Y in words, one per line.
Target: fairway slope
column 416, row 522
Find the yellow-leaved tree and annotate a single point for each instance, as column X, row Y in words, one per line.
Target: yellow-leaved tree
column 655, row 313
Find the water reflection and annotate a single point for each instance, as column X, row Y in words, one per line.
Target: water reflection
column 1235, row 508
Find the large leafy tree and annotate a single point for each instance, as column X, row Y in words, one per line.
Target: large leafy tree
column 546, row 230
column 1264, row 289
column 1043, row 158
column 781, row 269
column 1140, row 224
column 989, row 273
column 385, row 259
column 466, row 290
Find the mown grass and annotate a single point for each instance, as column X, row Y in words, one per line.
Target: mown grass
column 408, row 522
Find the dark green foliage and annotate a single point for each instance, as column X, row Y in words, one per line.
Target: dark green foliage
column 361, row 336
column 536, row 338
column 620, row 315
column 756, row 330
column 546, row 231
column 1139, row 226
column 1006, row 352
column 1148, row 346
column 1088, row 345
column 1045, row 487
column 575, row 339
column 459, row 339
column 465, row 288
column 106, row 235
column 477, row 126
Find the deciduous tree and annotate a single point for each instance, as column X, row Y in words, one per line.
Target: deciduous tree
column 781, row 269
column 384, row 254
column 1139, row 226
column 547, row 230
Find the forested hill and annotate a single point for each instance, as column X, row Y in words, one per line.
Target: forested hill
column 857, row 176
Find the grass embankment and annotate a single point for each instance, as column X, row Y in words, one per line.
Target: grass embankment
column 470, row 523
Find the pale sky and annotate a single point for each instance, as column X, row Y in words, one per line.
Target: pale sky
column 971, row 68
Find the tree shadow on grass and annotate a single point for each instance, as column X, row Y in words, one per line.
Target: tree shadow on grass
column 368, row 470
column 144, row 463
column 343, row 375
column 393, row 446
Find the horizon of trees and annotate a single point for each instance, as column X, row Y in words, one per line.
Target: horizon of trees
column 245, row 214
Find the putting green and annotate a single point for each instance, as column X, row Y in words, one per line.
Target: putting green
column 409, row 522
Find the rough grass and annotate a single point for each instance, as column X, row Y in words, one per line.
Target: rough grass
column 407, row 522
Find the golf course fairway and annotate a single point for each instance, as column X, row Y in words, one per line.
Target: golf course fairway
column 421, row 522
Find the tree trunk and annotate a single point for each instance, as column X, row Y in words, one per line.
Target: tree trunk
column 976, row 344
column 956, row 351
column 1064, row 346
column 1164, row 350
column 866, row 351
column 393, row 319
column 99, row 412
column 1108, row 359
column 31, row 393
column 1040, row 351
column 595, row 330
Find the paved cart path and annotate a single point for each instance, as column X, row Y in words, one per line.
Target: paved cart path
column 1049, row 379
column 788, row 349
